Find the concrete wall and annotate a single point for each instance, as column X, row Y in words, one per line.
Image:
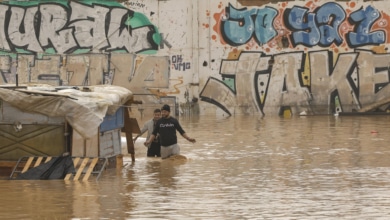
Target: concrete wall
column 319, row 56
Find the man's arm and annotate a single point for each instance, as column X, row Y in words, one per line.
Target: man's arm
column 188, row 138
column 183, row 133
column 151, row 139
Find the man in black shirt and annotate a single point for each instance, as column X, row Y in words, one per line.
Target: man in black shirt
column 166, row 127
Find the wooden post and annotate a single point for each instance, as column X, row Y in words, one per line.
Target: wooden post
column 129, row 134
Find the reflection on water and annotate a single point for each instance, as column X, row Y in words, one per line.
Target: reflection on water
column 243, row 167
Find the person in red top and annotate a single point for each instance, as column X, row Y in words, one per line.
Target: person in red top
column 166, row 127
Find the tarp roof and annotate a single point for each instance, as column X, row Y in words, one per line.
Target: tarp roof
column 83, row 107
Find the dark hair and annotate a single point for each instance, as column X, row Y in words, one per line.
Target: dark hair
column 157, row 110
column 166, row 108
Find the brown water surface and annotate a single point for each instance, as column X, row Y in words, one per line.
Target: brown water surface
column 242, row 167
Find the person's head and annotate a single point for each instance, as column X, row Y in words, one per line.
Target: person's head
column 165, row 110
column 157, row 114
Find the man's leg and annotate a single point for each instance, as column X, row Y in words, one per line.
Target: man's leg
column 153, row 149
column 169, row 151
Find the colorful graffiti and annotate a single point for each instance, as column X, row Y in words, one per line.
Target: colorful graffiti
column 324, row 26
column 300, row 56
column 317, row 82
column 79, row 43
column 73, row 28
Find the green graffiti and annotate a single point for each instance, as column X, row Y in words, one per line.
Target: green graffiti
column 140, row 20
column 22, row 51
column 81, row 51
column 135, row 20
column 50, row 51
column 230, row 83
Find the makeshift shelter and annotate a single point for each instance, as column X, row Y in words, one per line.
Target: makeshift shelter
column 49, row 121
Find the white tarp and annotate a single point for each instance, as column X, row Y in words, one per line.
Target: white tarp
column 84, row 108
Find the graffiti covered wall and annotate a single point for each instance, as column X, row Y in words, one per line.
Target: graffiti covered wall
column 317, row 56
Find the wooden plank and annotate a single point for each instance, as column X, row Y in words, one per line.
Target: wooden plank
column 8, row 164
column 133, row 125
column 67, row 177
column 90, row 169
column 75, row 162
column 85, row 163
column 39, row 160
column 47, row 159
column 129, row 130
column 28, row 163
column 81, row 168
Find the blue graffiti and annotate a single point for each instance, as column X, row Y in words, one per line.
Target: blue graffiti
column 319, row 28
column 329, row 18
column 239, row 26
column 264, row 30
column 302, row 23
column 309, row 28
column 364, row 19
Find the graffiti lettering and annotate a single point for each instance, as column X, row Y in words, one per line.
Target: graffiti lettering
column 356, row 80
column 364, row 19
column 93, row 28
column 309, row 28
column 137, row 4
column 21, row 29
column 177, row 59
column 53, row 31
column 182, row 66
column 133, row 39
column 178, row 64
column 320, row 28
column 334, row 79
column 164, row 42
column 238, row 27
column 329, row 18
column 88, row 69
column 264, row 30
column 87, row 23
column 303, row 25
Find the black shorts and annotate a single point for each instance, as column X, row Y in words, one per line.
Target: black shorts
column 154, row 150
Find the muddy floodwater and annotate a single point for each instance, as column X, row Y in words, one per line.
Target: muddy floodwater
column 241, row 167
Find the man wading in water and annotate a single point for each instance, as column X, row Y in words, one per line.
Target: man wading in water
column 166, row 128
column 154, row 146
